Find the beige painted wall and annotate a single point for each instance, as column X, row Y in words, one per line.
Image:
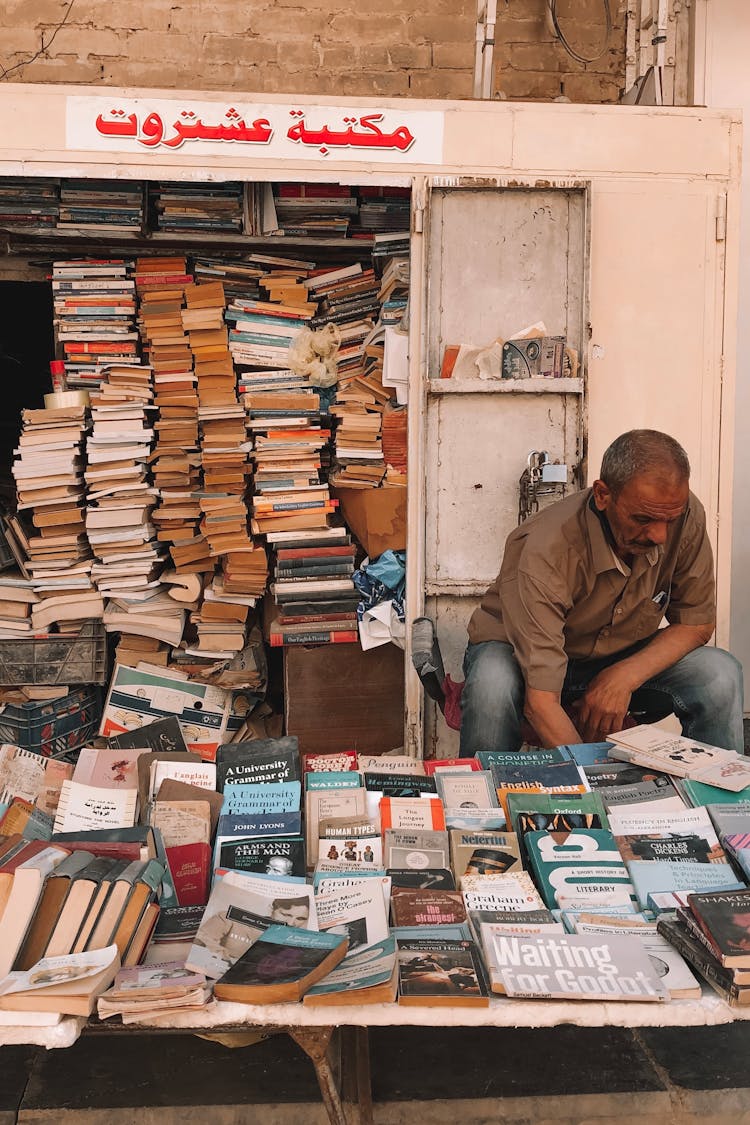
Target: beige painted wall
column 388, row 48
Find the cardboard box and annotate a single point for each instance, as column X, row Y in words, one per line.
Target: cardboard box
column 337, row 697
column 377, row 516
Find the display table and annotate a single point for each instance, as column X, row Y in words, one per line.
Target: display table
column 313, row 1029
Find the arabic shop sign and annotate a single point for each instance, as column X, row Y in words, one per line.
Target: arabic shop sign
column 256, row 130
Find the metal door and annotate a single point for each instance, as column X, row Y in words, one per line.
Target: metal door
column 499, row 259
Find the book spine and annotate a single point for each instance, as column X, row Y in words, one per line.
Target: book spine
column 324, row 637
column 313, row 571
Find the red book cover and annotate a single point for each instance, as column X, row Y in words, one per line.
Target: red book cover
column 344, row 550
column 190, row 868
column 341, row 762
column 315, row 637
column 432, row 765
column 412, row 813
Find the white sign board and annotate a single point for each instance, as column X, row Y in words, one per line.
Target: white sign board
column 256, row 130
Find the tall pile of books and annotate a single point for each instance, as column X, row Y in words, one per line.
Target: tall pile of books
column 175, row 461
column 48, row 472
column 28, row 201
column 198, row 207
column 120, row 500
column 106, row 206
column 94, row 306
column 220, row 621
column 289, row 494
column 315, row 210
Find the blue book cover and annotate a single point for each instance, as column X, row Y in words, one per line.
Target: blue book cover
column 578, row 869
column 335, row 779
column 247, row 799
column 512, row 758
column 652, row 876
column 232, row 826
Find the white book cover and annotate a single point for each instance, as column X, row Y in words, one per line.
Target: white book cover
column 500, row 892
column 666, row 961
column 353, row 908
column 90, row 808
column 220, row 942
column 683, row 757
column 639, row 820
column 574, row 967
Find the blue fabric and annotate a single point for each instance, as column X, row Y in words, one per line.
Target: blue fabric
column 382, row 581
column 706, row 689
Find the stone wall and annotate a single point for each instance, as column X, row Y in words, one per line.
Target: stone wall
column 374, row 47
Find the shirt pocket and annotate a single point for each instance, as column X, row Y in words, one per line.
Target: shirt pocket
column 653, row 611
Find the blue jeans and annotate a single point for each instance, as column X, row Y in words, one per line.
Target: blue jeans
column 706, row 687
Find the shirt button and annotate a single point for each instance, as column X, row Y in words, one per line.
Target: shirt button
column 618, row 611
column 605, row 632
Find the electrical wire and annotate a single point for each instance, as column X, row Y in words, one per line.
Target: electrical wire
column 552, row 5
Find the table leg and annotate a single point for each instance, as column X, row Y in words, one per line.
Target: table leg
column 315, row 1042
column 356, row 1082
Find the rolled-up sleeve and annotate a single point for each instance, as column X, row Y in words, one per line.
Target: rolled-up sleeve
column 534, row 618
column 693, row 593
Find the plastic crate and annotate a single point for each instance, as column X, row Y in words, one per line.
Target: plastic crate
column 54, row 729
column 79, row 659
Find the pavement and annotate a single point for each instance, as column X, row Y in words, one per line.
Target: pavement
column 420, row 1076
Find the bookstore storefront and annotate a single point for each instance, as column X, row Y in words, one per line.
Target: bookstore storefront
column 292, row 349
column 603, row 224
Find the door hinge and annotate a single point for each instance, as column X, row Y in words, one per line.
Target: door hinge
column 721, row 218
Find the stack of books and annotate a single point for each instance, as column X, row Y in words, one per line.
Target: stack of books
column 102, row 205
column 239, row 278
column 220, row 621
column 94, row 306
column 287, row 459
column 263, row 331
column 347, row 295
column 175, row 461
column 711, row 932
column 315, row 210
column 49, row 479
column 16, row 599
column 198, row 207
column 284, row 280
column 316, row 600
column 384, row 208
column 119, row 498
column 26, row 201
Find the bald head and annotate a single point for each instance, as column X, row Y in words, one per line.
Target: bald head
column 643, row 452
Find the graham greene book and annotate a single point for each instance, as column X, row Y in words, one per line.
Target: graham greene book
column 281, row 966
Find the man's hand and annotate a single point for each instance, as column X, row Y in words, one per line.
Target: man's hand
column 603, row 708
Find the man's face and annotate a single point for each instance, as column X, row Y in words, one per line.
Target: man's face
column 293, row 915
column 278, row 865
column 643, row 511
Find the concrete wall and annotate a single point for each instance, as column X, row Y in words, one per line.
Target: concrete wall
column 387, row 48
